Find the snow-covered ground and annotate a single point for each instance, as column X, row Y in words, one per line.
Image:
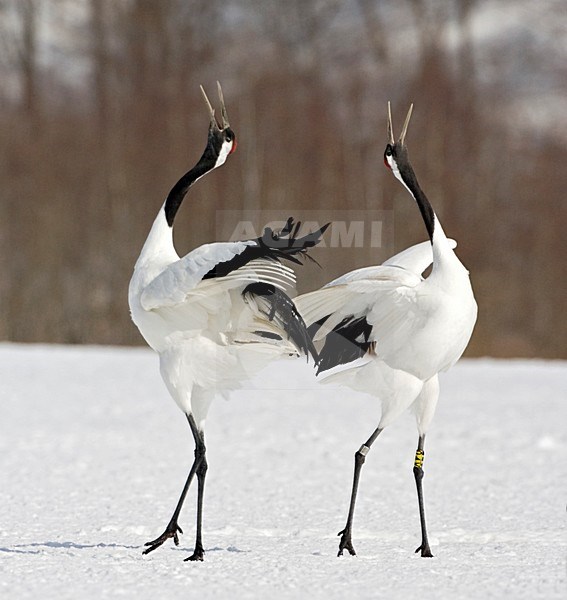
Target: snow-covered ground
column 93, row 454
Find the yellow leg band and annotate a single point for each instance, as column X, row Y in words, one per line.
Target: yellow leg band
column 419, row 459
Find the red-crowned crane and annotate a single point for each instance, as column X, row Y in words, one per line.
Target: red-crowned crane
column 394, row 331
column 219, row 314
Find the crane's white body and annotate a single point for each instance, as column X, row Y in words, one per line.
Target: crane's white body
column 420, row 326
column 202, row 329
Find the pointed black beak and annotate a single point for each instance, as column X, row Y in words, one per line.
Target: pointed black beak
column 401, row 141
column 224, row 124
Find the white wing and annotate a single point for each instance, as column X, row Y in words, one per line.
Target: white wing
column 178, row 299
column 380, row 294
column 414, row 259
column 178, row 279
column 398, row 306
column 182, row 281
column 357, row 296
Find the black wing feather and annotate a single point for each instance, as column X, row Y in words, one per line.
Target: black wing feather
column 282, row 311
column 345, row 343
column 284, row 245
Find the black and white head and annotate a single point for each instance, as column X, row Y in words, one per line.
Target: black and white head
column 397, row 160
column 396, row 153
column 221, row 141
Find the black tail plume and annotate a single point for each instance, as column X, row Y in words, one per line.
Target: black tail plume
column 279, row 308
column 348, row 341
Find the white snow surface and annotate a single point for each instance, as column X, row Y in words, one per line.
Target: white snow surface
column 94, row 453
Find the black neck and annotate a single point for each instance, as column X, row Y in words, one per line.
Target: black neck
column 178, row 192
column 425, row 207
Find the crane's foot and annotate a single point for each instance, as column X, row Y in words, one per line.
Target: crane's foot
column 198, row 554
column 425, row 551
column 171, row 531
column 346, row 542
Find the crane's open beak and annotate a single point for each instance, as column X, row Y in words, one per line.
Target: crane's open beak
column 404, row 129
column 224, row 116
column 390, row 126
column 406, row 123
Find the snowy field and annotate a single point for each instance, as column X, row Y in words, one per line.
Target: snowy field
column 93, row 455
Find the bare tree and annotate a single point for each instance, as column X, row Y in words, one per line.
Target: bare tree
column 86, row 160
column 28, row 10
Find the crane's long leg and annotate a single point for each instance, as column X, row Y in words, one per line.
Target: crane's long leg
column 359, row 458
column 200, row 451
column 418, row 474
column 173, row 528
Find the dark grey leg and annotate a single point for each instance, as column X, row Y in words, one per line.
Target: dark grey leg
column 359, row 458
column 200, row 455
column 418, row 474
column 173, row 528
